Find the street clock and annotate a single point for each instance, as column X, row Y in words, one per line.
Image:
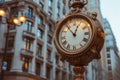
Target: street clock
column 79, row 37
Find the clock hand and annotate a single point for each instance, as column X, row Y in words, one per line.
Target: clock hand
column 71, row 30
column 77, row 28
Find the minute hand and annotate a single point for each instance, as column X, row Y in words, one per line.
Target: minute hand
column 70, row 29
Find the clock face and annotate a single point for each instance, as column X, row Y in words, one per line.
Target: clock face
column 75, row 34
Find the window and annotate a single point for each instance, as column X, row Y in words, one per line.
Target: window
column 49, row 39
column 12, row 27
column 28, row 43
column 11, row 42
column 107, row 43
column 109, row 61
column 58, row 10
column 50, row 4
column 57, row 75
column 13, row 12
column 108, row 49
column 49, row 13
column 57, row 59
column 29, row 12
column 58, row 5
column 40, row 20
column 58, row 15
column 64, row 11
column 70, row 68
column 71, row 77
column 40, row 33
column 50, row 28
column 48, row 72
column 41, row 5
column 38, row 68
column 64, row 76
column 29, row 25
column 63, row 64
column 108, row 55
column 25, row 66
column 48, row 55
column 64, row 2
column 39, row 50
column 109, row 68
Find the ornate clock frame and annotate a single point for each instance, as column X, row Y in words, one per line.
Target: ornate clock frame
column 90, row 52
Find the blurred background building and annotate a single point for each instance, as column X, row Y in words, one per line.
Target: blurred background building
column 30, row 51
column 31, row 54
column 112, row 57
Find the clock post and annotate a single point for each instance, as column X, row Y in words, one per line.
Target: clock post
column 79, row 72
column 79, row 37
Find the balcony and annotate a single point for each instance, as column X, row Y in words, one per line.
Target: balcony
column 58, row 65
column 26, row 53
column 64, row 68
column 11, row 32
column 49, row 62
column 39, row 58
column 42, row 26
column 9, row 51
column 50, row 32
column 28, row 34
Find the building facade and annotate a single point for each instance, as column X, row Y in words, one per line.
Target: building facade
column 107, row 67
column 97, row 69
column 31, row 54
column 112, row 57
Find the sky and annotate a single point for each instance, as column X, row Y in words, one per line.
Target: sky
column 110, row 9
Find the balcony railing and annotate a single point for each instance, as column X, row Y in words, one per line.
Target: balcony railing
column 9, row 50
column 42, row 26
column 39, row 58
column 58, row 65
column 26, row 52
column 28, row 34
column 49, row 62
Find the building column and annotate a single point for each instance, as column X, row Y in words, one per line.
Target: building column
column 16, row 60
column 34, row 46
column 33, row 63
column 44, row 53
column 2, row 39
column 54, row 64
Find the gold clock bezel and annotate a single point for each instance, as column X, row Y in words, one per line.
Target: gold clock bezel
column 56, row 38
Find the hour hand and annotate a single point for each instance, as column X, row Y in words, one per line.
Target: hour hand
column 77, row 28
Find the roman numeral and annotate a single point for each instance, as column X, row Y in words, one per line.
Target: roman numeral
column 85, row 39
column 64, row 31
column 86, row 33
column 68, row 46
column 74, row 47
column 64, row 42
column 81, row 45
column 84, row 27
column 63, row 38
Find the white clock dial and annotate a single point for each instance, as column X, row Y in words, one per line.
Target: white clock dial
column 75, row 34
